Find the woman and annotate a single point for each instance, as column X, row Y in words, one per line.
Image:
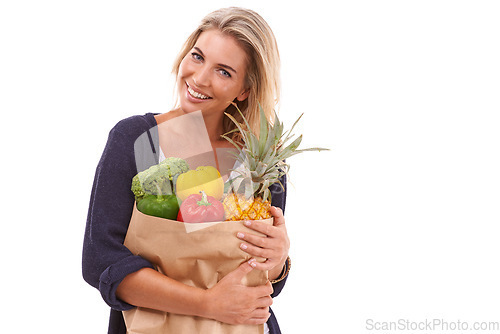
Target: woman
column 231, row 58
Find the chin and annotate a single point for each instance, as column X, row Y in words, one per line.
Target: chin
column 188, row 107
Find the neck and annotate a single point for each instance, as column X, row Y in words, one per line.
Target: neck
column 213, row 122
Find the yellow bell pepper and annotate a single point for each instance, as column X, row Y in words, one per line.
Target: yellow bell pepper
column 206, row 178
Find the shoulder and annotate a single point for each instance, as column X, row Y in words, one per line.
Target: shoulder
column 133, row 126
column 123, row 136
column 127, row 131
column 135, row 139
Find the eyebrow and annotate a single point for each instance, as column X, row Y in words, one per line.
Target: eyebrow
column 221, row 65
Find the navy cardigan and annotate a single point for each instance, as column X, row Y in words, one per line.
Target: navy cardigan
column 132, row 146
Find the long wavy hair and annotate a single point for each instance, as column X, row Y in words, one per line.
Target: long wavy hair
column 255, row 36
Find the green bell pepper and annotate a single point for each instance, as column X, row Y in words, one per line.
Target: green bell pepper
column 163, row 206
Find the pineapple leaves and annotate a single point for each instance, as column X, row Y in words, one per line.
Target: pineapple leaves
column 290, row 149
column 248, row 137
column 231, row 141
column 261, row 168
column 249, row 189
column 267, row 195
column 289, row 132
column 234, row 184
column 262, row 157
column 264, row 129
column 238, row 125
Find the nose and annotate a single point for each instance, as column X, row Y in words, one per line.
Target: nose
column 201, row 76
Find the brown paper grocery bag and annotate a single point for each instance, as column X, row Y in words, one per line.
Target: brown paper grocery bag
column 198, row 255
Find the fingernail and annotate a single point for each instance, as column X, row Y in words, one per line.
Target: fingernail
column 246, row 223
column 243, row 246
column 240, row 235
column 252, row 263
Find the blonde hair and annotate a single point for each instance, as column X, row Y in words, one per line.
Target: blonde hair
column 263, row 70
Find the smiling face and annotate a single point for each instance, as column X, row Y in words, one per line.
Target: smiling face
column 212, row 74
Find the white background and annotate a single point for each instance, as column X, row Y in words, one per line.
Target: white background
column 399, row 220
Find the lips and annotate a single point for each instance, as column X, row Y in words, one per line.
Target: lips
column 196, row 93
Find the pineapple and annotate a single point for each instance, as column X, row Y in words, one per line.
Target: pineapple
column 238, row 207
column 260, row 163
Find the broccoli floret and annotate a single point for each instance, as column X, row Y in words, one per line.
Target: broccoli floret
column 137, row 188
column 176, row 166
column 158, row 179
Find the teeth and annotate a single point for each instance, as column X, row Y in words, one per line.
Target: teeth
column 197, row 95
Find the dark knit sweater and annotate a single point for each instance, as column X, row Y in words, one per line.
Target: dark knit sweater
column 106, row 261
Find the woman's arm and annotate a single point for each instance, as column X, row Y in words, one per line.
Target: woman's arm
column 149, row 288
column 105, row 260
column 228, row 301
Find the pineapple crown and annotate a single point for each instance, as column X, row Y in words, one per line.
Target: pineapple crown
column 261, row 159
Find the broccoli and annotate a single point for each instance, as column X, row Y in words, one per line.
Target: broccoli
column 158, row 179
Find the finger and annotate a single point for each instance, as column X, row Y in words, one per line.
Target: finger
column 267, row 265
column 260, row 313
column 260, row 319
column 257, row 251
column 263, row 242
column 261, row 291
column 240, row 272
column 264, row 301
column 261, row 227
column 256, row 321
column 277, row 213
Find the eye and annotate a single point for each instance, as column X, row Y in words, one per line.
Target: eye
column 196, row 56
column 225, row 73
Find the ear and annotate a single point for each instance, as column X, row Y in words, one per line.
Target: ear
column 243, row 96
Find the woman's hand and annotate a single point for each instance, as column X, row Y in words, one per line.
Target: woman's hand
column 232, row 302
column 273, row 247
